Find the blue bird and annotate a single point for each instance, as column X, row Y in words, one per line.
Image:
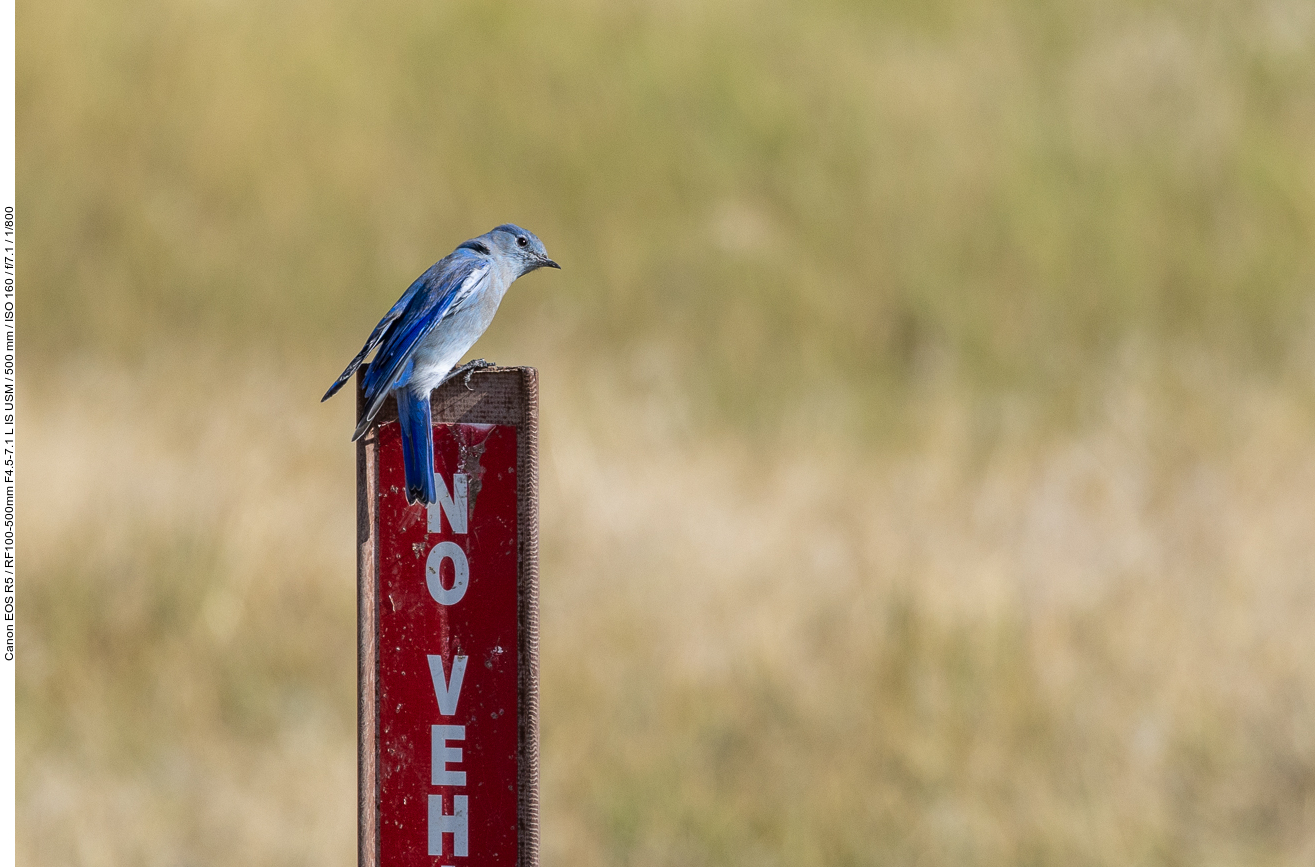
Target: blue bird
column 426, row 332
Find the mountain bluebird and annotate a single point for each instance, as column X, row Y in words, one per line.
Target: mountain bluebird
column 426, row 332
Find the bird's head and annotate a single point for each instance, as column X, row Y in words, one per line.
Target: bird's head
column 512, row 244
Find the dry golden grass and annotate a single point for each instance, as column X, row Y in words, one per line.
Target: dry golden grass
column 927, row 417
column 1001, row 644
column 766, row 192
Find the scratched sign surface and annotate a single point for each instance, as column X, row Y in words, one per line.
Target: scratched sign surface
column 447, row 653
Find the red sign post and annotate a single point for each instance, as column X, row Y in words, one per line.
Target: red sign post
column 448, row 628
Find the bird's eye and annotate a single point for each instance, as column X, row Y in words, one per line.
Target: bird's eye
column 522, row 241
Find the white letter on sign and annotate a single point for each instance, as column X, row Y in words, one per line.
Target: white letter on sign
column 460, row 573
column 442, row 754
column 456, row 824
column 452, row 506
column 447, row 692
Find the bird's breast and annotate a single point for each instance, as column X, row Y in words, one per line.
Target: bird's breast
column 440, row 350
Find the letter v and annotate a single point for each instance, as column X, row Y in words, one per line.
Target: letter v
column 447, row 692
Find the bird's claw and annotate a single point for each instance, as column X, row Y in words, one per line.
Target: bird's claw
column 469, row 369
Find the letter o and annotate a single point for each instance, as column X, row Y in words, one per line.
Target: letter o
column 460, row 573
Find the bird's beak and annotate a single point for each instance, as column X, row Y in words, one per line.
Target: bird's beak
column 545, row 262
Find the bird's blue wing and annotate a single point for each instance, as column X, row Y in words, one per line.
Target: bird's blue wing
column 445, row 285
column 376, row 336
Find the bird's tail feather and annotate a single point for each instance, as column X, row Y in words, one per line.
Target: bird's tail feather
column 417, row 446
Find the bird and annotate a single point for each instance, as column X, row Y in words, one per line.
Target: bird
column 422, row 337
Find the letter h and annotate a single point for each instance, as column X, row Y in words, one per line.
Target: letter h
column 455, row 823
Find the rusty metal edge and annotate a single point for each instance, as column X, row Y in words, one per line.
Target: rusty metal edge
column 528, row 525
column 367, row 578
column 453, row 403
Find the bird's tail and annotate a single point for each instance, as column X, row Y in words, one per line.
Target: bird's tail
column 417, row 446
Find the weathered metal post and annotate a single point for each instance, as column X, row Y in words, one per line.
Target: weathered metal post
column 447, row 620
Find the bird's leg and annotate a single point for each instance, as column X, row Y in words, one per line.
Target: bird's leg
column 469, row 369
column 471, row 366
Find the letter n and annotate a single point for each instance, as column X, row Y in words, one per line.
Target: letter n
column 453, row 505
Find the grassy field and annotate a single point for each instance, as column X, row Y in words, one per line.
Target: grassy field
column 928, row 421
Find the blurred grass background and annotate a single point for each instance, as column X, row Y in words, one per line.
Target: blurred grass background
column 927, row 425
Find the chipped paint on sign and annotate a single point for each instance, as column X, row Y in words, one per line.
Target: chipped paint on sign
column 448, row 733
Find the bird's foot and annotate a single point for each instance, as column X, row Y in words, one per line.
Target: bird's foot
column 469, row 369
